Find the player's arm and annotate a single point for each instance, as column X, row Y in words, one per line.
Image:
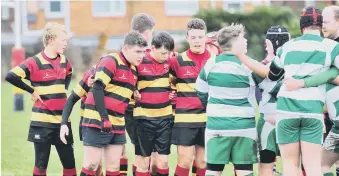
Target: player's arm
column 104, row 74
column 20, row 72
column 254, row 65
column 69, row 72
column 329, row 76
column 201, row 87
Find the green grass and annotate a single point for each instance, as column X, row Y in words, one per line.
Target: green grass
column 18, row 154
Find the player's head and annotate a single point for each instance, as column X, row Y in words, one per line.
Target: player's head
column 231, row 36
column 196, row 35
column 212, row 43
column 331, row 22
column 55, row 37
column 311, row 19
column 162, row 46
column 278, row 35
column 134, row 47
column 144, row 24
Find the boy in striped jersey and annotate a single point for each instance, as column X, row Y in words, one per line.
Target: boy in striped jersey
column 300, row 112
column 226, row 88
column 50, row 74
column 153, row 111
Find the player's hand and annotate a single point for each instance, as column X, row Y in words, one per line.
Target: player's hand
column 137, row 95
column 269, row 47
column 271, row 120
column 172, row 95
column 106, row 125
column 293, row 84
column 90, row 81
column 36, row 97
column 64, row 131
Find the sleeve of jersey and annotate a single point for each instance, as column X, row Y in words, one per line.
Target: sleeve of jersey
column 105, row 70
column 20, row 72
column 71, row 100
column 82, row 88
column 322, row 78
column 335, row 56
column 201, row 87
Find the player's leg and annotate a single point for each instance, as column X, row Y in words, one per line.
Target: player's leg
column 112, row 155
column 124, row 162
column 145, row 133
column 267, row 146
column 311, row 136
column 130, row 123
column 200, row 152
column 94, row 141
column 244, row 153
column 214, row 169
column 330, row 152
column 153, row 163
column 184, row 139
column 65, row 151
column 337, row 168
column 288, row 138
column 42, row 152
column 162, row 144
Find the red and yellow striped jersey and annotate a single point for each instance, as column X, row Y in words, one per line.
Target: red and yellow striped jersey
column 47, row 77
column 185, row 68
column 154, row 87
column 119, row 79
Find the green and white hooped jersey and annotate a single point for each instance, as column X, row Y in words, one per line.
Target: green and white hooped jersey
column 332, row 103
column 268, row 103
column 300, row 58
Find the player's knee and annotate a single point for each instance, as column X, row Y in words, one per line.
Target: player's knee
column 200, row 163
column 267, row 156
column 162, row 162
column 143, row 163
column 185, row 161
column 91, row 166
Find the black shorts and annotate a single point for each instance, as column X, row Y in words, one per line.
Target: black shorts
column 80, row 128
column 48, row 135
column 188, row 136
column 130, row 124
column 153, row 136
column 97, row 138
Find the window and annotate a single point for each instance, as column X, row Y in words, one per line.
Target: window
column 181, row 8
column 54, row 9
column 5, row 13
column 108, row 8
column 233, row 6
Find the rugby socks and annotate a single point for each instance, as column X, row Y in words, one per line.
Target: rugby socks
column 134, row 169
column 201, row 172
column 179, row 171
column 329, row 174
column 194, row 169
column 162, row 172
column 137, row 173
column 110, row 173
column 86, row 172
column 39, row 172
column 69, row 172
column 123, row 166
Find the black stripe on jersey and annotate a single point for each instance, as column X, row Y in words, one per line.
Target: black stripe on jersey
column 84, row 85
column 53, row 96
column 106, row 71
column 117, row 97
column 123, row 67
column 155, row 118
column 156, row 89
column 187, row 94
column 152, row 77
column 183, row 63
column 122, row 84
column 47, row 83
column 186, row 80
column 146, row 61
column 153, row 106
column 189, row 111
column 172, row 72
column 64, row 65
column 46, row 111
column 110, row 112
column 25, row 69
column 40, row 65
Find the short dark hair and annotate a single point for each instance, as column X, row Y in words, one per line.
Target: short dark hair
column 142, row 22
column 163, row 39
column 196, row 23
column 134, row 38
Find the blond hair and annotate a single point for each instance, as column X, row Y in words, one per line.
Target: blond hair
column 51, row 30
column 227, row 34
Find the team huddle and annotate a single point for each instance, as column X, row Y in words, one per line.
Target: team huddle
column 203, row 100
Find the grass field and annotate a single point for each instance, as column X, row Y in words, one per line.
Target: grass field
column 18, row 154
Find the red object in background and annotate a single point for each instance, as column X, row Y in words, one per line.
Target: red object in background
column 18, row 56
